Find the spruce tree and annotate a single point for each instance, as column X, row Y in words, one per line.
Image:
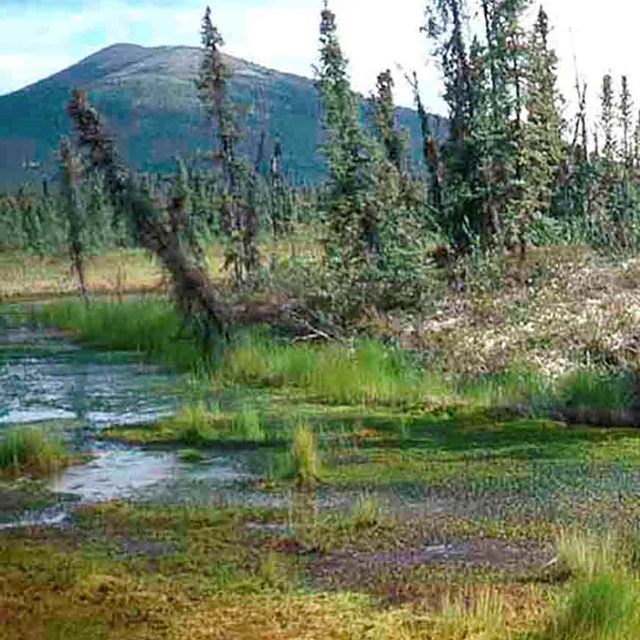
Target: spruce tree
column 608, row 119
column 29, row 214
column 280, row 200
column 543, row 151
column 626, row 123
column 354, row 160
column 70, row 191
column 385, row 121
column 240, row 218
column 607, row 204
column 627, row 189
column 430, row 152
column 499, row 123
column 463, row 218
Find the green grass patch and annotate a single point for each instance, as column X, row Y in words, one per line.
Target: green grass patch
column 31, row 451
column 598, row 390
column 368, row 374
column 200, row 426
column 604, row 607
column 150, row 326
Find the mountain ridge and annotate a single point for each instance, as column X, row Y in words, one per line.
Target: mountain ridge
column 149, row 100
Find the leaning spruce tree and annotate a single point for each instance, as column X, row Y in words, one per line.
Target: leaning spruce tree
column 153, row 227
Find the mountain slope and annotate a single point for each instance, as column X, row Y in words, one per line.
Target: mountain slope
column 149, row 100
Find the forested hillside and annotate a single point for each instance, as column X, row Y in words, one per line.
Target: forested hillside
column 149, row 99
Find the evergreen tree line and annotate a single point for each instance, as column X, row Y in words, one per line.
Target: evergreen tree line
column 512, row 172
column 515, row 170
column 35, row 219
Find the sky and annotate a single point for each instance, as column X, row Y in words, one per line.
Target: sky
column 41, row 37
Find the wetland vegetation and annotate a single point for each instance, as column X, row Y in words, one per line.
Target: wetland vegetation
column 400, row 405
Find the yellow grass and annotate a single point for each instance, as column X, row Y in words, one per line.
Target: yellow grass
column 120, row 607
column 24, row 276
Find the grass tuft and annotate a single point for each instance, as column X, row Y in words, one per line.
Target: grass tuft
column 248, row 426
column 603, row 607
column 367, row 512
column 27, row 450
column 305, row 454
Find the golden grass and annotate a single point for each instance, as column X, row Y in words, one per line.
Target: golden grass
column 120, row 607
column 24, row 276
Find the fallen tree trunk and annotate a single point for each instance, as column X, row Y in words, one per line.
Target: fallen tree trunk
column 157, row 230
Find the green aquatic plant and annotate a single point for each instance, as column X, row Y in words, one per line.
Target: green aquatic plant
column 247, row 426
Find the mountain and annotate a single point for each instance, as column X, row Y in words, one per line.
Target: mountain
column 149, row 100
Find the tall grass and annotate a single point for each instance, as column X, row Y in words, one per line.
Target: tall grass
column 604, row 607
column 193, row 423
column 30, row 450
column 369, row 374
column 515, row 387
column 151, row 327
column 196, row 425
column 305, row 454
column 248, row 425
column 601, row 601
column 584, row 555
column 591, row 388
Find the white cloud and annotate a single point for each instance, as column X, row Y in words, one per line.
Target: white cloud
column 601, row 38
column 283, row 34
column 29, row 68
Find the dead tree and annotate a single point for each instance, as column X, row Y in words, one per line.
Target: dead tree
column 155, row 229
column 70, row 193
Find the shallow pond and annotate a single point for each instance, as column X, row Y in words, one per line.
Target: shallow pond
column 47, row 379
